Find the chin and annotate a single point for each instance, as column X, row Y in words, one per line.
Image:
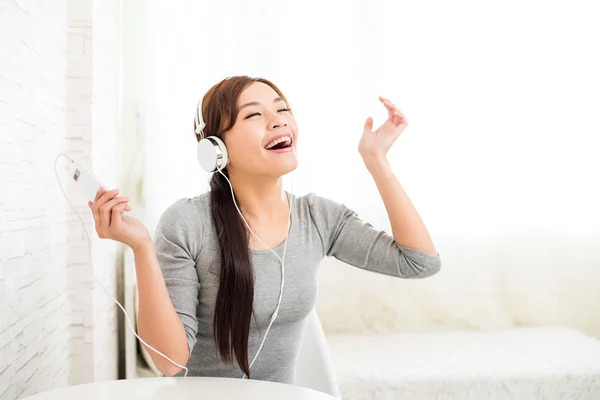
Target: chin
column 283, row 168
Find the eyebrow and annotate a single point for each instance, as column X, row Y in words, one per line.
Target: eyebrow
column 256, row 103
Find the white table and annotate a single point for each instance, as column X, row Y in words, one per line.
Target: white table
column 182, row 388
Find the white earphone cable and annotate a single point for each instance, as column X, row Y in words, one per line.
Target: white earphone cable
column 282, row 260
column 94, row 276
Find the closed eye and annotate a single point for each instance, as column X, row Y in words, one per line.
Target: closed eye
column 252, row 115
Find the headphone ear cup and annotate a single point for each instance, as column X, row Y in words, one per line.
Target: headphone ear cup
column 224, row 155
column 212, row 154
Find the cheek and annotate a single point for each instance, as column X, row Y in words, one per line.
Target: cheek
column 243, row 147
column 295, row 130
column 293, row 123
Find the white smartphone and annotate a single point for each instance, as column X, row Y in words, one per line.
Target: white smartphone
column 84, row 178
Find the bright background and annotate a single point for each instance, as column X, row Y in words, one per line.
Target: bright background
column 500, row 157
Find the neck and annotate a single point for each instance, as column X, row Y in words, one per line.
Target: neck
column 260, row 198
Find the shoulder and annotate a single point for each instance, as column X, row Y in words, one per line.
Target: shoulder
column 320, row 204
column 183, row 224
column 183, row 207
column 186, row 214
column 322, row 210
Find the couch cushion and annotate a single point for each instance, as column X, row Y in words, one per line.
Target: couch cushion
column 518, row 363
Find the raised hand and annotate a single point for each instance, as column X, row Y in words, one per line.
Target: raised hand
column 375, row 144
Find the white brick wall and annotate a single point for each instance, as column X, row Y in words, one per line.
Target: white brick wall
column 59, row 92
column 33, row 240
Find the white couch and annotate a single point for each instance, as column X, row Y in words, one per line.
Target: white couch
column 490, row 325
column 517, row 363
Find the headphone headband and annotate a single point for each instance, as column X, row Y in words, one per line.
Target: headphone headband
column 200, row 124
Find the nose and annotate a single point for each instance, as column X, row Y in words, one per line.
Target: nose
column 278, row 122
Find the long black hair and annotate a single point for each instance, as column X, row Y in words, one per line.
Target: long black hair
column 234, row 304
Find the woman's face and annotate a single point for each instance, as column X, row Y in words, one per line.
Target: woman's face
column 263, row 139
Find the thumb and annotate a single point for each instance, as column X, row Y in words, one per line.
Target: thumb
column 369, row 125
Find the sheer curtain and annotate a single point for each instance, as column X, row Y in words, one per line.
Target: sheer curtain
column 501, row 153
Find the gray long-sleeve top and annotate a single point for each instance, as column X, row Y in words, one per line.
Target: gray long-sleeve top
column 189, row 256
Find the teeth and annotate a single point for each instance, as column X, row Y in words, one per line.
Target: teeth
column 277, row 141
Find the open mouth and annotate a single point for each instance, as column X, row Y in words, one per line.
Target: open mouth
column 280, row 143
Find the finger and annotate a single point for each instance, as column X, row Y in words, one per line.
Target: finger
column 117, row 213
column 95, row 213
column 402, row 117
column 102, row 200
column 90, row 205
column 396, row 112
column 99, row 193
column 102, row 196
column 107, row 196
column 390, row 113
column 105, row 210
column 398, row 118
column 368, row 125
column 390, row 106
column 401, row 120
column 390, row 109
column 385, row 101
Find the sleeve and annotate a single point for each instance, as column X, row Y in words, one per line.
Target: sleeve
column 176, row 241
column 355, row 242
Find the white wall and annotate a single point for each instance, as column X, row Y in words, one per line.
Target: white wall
column 107, row 160
column 34, row 223
column 498, row 121
column 59, row 92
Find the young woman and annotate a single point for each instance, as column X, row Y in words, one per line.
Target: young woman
column 211, row 279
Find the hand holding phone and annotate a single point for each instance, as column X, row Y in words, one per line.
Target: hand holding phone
column 108, row 209
column 110, row 222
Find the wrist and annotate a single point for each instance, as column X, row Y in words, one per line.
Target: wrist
column 143, row 247
column 375, row 162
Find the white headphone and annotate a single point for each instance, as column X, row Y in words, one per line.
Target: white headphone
column 211, row 151
column 212, row 155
